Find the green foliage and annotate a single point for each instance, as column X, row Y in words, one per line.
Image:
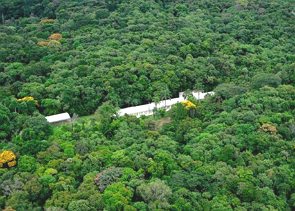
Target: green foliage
column 47, row 179
column 226, row 91
column 51, row 106
column 156, row 194
column 4, row 122
column 107, row 177
column 116, row 196
column 265, row 79
column 19, row 200
column 233, row 151
column 27, row 164
column 106, row 114
column 79, row 205
column 128, row 52
column 224, row 157
column 36, row 128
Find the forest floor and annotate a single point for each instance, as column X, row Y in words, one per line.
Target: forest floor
column 161, row 122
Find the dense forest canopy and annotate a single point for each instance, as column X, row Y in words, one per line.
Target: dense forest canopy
column 233, row 151
column 128, row 52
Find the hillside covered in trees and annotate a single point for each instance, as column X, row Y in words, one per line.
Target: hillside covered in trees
column 233, row 151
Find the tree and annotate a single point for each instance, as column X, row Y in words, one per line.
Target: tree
column 161, row 92
column 186, row 200
column 51, row 106
column 226, row 91
column 4, row 122
column 265, row 79
column 107, row 177
column 156, row 194
column 79, row 205
column 7, row 159
column 233, row 151
column 19, row 200
column 116, row 196
column 36, row 128
column 178, row 112
column 35, row 189
column 106, row 114
column 27, row 163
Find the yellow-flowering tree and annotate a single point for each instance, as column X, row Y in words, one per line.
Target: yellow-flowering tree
column 188, row 105
column 268, row 128
column 7, row 158
column 50, row 43
column 53, row 40
column 47, row 21
column 55, row 36
column 43, row 43
column 54, row 43
column 28, row 99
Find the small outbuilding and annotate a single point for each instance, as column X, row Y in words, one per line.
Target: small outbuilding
column 57, row 118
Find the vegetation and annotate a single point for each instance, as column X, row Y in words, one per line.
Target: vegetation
column 233, row 151
column 7, row 158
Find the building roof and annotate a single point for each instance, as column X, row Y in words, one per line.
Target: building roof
column 58, row 118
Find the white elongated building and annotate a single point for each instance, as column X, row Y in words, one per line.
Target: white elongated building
column 148, row 109
column 57, row 118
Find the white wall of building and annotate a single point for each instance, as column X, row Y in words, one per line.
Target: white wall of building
column 141, row 110
column 148, row 109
